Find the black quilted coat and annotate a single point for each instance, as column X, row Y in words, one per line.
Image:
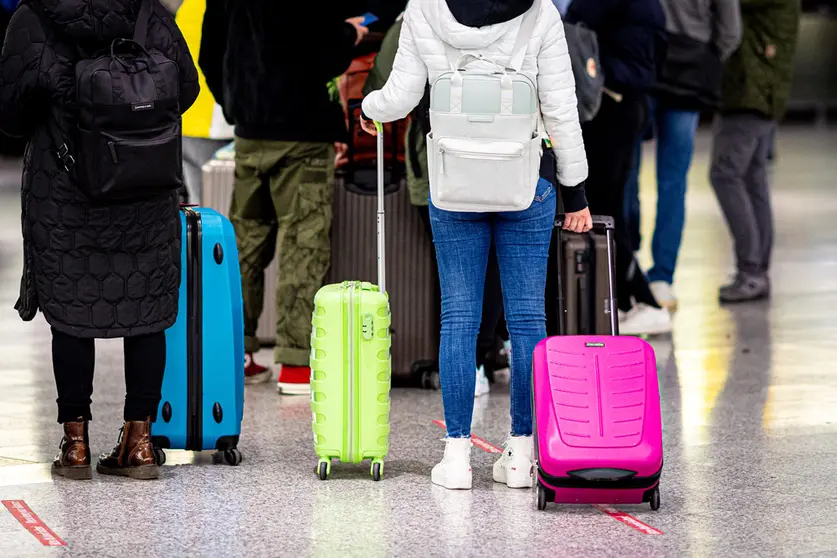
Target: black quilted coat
column 93, row 270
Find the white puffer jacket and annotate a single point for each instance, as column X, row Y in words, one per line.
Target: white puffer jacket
column 428, row 24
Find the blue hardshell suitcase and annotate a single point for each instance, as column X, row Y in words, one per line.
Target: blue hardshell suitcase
column 203, row 385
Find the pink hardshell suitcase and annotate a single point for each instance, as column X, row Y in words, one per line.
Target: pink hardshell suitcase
column 598, row 425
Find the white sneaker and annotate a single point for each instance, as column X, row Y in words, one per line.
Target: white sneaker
column 454, row 471
column 482, row 387
column 645, row 320
column 664, row 293
column 515, row 467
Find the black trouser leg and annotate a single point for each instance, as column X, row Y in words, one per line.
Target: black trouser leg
column 610, row 140
column 145, row 362
column 73, row 360
column 492, row 309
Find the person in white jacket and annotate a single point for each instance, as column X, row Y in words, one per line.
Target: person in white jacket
column 522, row 238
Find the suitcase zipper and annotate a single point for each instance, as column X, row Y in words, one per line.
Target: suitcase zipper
column 194, row 330
column 350, row 380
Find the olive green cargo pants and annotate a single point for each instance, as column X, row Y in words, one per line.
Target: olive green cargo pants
column 282, row 206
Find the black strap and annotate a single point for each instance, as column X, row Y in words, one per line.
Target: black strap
column 61, row 147
column 141, row 27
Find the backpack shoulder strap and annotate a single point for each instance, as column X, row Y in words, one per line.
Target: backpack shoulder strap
column 453, row 55
column 141, row 27
column 527, row 26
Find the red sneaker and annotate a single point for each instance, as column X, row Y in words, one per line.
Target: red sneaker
column 294, row 380
column 254, row 373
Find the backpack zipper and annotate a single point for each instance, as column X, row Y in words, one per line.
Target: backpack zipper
column 473, row 155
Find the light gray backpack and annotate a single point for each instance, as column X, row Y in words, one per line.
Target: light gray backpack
column 485, row 147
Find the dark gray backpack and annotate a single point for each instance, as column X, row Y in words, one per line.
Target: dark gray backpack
column 583, row 46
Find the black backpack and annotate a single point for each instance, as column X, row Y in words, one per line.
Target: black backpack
column 583, row 48
column 126, row 144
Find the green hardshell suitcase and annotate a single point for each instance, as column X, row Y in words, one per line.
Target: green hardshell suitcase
column 351, row 368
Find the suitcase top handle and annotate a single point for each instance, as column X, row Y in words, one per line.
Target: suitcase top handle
column 602, row 222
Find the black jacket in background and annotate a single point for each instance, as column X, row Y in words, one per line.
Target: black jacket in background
column 631, row 37
column 268, row 64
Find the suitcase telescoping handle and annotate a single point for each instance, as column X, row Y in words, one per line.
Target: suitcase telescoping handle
column 601, row 223
column 381, row 217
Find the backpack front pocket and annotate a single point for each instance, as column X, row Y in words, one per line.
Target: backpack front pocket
column 482, row 175
column 130, row 165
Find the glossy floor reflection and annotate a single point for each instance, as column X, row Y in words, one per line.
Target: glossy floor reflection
column 750, row 419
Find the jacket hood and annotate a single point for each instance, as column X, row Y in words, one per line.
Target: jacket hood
column 473, row 24
column 86, row 20
column 479, row 13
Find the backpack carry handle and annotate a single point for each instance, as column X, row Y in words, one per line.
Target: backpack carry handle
column 381, row 217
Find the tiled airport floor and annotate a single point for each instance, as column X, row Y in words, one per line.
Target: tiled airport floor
column 750, row 416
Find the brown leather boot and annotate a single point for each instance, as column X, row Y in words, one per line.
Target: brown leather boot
column 133, row 456
column 73, row 462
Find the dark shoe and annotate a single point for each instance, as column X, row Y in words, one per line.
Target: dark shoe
column 73, row 462
column 745, row 288
column 133, row 456
column 254, row 373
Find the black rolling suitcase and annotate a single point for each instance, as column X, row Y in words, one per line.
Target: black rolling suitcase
column 578, row 296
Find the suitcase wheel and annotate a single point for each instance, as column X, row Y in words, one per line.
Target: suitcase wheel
column 159, row 456
column 323, row 469
column 232, row 456
column 377, row 470
column 542, row 497
column 655, row 499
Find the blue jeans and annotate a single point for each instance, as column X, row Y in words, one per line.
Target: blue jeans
column 462, row 240
column 675, row 133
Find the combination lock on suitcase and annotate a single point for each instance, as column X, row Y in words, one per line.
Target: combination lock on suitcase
column 351, row 367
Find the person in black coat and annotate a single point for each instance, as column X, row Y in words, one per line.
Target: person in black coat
column 94, row 270
column 631, row 37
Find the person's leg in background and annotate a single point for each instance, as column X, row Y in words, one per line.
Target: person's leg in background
column 492, row 314
column 462, row 243
column 610, row 140
column 73, row 361
column 675, row 144
column 739, row 178
column 522, row 240
column 196, row 153
column 632, row 209
column 254, row 221
column 145, row 362
column 302, row 190
column 758, row 186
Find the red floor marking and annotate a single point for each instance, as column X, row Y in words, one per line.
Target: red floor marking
column 33, row 523
column 484, row 445
column 628, row 520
